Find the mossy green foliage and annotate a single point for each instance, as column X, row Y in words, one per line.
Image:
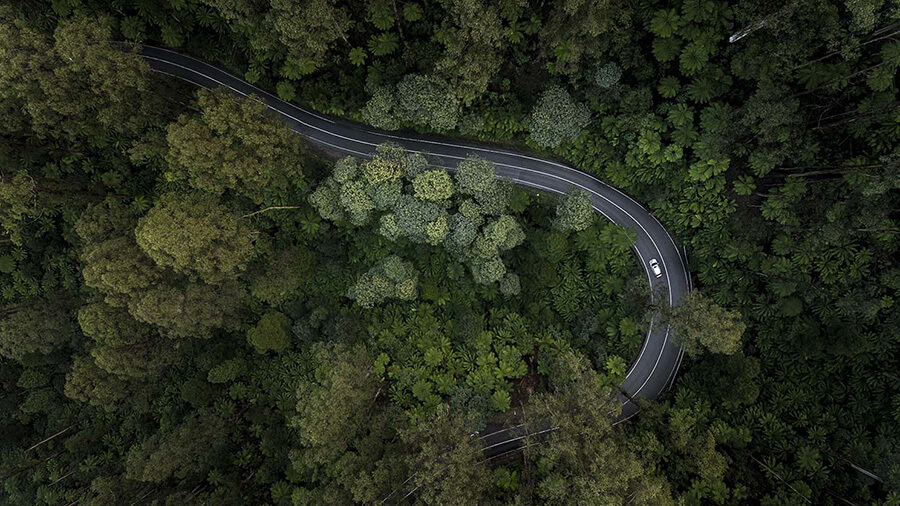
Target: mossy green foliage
column 271, row 333
column 125, row 363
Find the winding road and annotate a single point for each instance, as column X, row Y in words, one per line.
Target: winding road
column 659, row 359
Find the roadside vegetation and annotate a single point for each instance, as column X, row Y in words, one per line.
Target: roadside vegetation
column 200, row 308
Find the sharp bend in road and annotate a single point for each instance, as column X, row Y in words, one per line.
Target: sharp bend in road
column 658, row 361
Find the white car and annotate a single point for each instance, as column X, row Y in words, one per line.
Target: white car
column 654, row 265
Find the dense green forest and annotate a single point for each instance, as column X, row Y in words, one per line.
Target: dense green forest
column 200, row 308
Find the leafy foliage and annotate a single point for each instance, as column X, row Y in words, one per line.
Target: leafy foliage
column 762, row 136
column 234, row 145
column 557, row 118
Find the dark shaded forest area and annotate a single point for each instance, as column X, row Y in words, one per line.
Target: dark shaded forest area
column 200, row 308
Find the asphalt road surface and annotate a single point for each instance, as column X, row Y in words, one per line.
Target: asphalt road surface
column 656, row 365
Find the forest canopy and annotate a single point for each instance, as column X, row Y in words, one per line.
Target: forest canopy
column 201, row 307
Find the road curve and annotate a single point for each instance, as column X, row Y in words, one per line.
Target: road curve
column 655, row 367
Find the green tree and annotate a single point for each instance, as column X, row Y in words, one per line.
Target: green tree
column 393, row 278
column 433, row 185
column 472, row 36
column 284, row 274
column 700, row 325
column 119, row 269
column 189, row 448
column 557, row 117
column 331, row 410
column 105, row 220
column 195, row 234
column 427, row 100
column 137, row 360
column 235, row 144
column 17, row 195
column 227, row 371
column 585, row 461
column 308, row 29
column 36, row 326
column 443, row 457
column 109, row 325
column 193, row 310
column 86, row 382
column 577, row 31
column 574, row 210
column 77, row 85
column 270, row 333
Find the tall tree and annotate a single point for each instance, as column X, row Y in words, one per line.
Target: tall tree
column 78, row 85
column 701, row 325
column 235, row 144
column 184, row 450
column 37, row 326
column 308, row 29
column 557, row 117
column 473, row 38
column 445, row 462
column 195, row 234
column 573, row 34
column 585, row 460
column 575, row 210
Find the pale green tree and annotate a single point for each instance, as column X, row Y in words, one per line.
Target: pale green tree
column 557, row 117
column 388, row 164
column 434, row 185
column 326, row 200
column 474, row 176
column 574, row 210
column 608, row 75
column 488, row 271
column 510, row 285
column 462, row 233
column 504, row 232
column 436, row 231
column 381, row 109
column 414, row 216
column 393, row 278
column 428, row 101
column 356, row 202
